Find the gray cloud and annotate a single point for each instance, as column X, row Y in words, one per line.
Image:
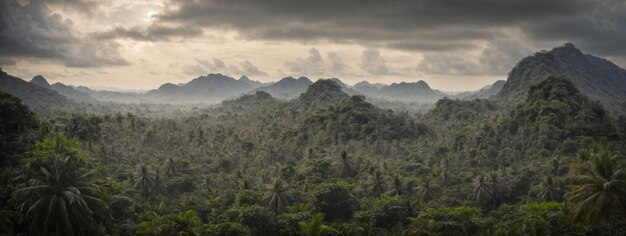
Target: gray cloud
column 421, row 24
column 248, row 68
column 601, row 28
column 596, row 26
column 32, row 31
column 372, row 62
column 151, row 33
column 496, row 59
column 313, row 64
column 7, row 62
column 216, row 65
column 336, row 63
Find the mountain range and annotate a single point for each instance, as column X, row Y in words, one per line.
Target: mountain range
column 35, row 94
column 287, row 88
column 599, row 78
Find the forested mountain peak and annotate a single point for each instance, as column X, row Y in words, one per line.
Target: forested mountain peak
column 557, row 116
column 41, row 81
column 323, row 91
column 339, row 82
column 598, row 78
column 554, row 88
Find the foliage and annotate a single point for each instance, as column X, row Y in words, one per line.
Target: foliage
column 448, row 221
column 335, row 200
column 58, row 192
column 384, row 212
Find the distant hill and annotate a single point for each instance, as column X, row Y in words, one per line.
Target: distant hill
column 406, row 92
column 253, row 83
column 483, row 93
column 35, row 96
column 41, row 81
column 287, row 88
column 598, row 78
column 212, row 88
column 65, row 90
column 367, row 88
column 113, row 96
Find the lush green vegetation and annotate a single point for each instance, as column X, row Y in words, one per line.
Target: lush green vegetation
column 323, row 164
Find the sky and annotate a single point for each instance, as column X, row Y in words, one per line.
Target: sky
column 453, row 45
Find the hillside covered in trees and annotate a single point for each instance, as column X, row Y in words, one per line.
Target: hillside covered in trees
column 324, row 163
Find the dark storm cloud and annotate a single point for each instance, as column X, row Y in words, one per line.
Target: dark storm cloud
column 600, row 29
column 151, row 33
column 430, row 26
column 31, row 30
column 423, row 25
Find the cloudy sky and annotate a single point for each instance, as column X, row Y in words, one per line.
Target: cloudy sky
column 451, row 44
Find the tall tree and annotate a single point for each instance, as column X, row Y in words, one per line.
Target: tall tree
column 598, row 189
column 59, row 195
column 159, row 185
column 144, row 181
column 482, row 191
column 171, row 167
column 496, row 187
column 345, row 165
column 427, row 191
column 277, row 197
column 377, row 183
column 549, row 190
column 397, row 187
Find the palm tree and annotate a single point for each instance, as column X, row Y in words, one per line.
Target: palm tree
column 171, row 167
column 556, row 166
column 482, row 191
column 598, row 190
column 60, row 197
column 427, row 191
column 159, row 186
column 187, row 223
column 496, row 187
column 345, row 165
column 549, row 190
column 144, row 181
column 398, row 186
column 444, row 172
column 277, row 197
column 314, row 226
column 377, row 183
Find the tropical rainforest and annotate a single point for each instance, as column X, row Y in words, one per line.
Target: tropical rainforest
column 542, row 154
column 325, row 163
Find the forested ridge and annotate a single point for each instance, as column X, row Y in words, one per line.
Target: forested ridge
column 324, row 163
